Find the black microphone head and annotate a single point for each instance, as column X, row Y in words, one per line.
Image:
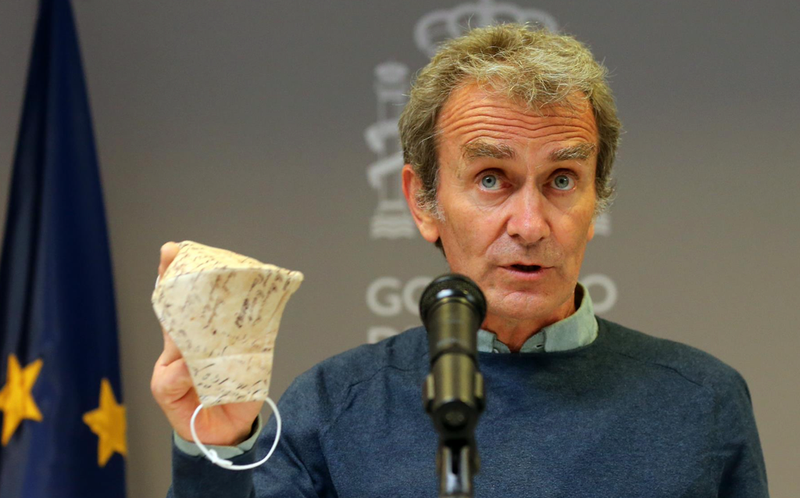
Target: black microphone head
column 452, row 285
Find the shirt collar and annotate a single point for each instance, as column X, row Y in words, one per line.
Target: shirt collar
column 577, row 330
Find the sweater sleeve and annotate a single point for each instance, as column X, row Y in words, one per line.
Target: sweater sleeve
column 297, row 469
column 744, row 473
column 195, row 477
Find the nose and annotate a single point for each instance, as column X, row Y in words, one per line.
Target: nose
column 527, row 222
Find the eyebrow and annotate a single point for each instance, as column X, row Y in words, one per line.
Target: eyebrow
column 480, row 149
column 581, row 151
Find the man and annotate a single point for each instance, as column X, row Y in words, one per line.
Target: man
column 509, row 136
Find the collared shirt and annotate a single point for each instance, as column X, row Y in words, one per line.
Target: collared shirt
column 577, row 330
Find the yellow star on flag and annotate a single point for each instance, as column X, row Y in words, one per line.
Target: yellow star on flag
column 16, row 400
column 108, row 422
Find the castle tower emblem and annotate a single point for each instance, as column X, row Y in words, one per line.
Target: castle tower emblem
column 391, row 219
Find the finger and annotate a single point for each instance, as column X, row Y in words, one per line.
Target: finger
column 168, row 253
column 171, row 382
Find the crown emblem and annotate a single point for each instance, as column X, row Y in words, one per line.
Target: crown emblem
column 440, row 25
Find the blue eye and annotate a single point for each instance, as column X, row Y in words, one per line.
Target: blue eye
column 490, row 182
column 563, row 182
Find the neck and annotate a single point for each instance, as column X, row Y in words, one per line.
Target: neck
column 513, row 332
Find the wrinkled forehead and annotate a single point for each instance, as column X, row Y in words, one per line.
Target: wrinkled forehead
column 539, row 104
column 475, row 111
column 474, row 100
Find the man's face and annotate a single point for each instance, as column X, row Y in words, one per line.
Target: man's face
column 516, row 190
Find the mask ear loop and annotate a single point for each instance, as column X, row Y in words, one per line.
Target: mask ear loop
column 227, row 464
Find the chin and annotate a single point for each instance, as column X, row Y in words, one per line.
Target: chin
column 527, row 305
column 520, row 304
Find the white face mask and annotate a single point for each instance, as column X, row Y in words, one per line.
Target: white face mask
column 223, row 310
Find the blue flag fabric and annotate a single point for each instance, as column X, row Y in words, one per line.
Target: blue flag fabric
column 63, row 423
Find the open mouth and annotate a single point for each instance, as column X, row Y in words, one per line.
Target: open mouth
column 527, row 268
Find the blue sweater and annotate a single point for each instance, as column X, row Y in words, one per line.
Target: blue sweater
column 626, row 416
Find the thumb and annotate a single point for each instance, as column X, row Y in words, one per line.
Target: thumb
column 171, row 351
column 168, row 253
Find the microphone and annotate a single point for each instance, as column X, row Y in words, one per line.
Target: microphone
column 452, row 308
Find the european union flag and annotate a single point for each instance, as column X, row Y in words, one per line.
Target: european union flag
column 63, row 423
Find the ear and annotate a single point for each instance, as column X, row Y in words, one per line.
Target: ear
column 590, row 235
column 426, row 223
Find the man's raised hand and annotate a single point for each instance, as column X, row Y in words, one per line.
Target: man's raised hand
column 171, row 384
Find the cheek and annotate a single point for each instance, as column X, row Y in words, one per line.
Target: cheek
column 478, row 230
column 576, row 221
column 571, row 231
column 456, row 241
column 465, row 238
column 576, row 243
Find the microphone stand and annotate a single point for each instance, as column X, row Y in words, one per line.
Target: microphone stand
column 453, row 393
column 457, row 459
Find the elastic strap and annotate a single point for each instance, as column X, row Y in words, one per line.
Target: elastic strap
column 227, row 464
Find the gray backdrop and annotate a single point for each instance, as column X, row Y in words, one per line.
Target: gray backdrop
column 265, row 127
